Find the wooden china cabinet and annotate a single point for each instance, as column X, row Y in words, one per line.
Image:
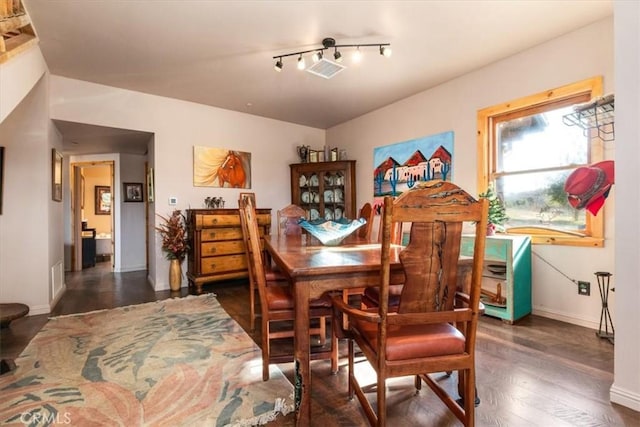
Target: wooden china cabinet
column 325, row 190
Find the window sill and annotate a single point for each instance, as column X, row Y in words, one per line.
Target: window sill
column 560, row 238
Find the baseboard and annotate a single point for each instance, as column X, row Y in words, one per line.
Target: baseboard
column 130, row 269
column 39, row 309
column 564, row 317
column 625, row 398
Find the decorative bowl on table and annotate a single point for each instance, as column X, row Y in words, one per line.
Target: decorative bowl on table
column 331, row 233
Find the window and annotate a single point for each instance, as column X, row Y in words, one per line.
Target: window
column 526, row 151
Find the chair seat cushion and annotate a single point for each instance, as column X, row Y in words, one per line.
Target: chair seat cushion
column 415, row 341
column 274, row 276
column 281, row 298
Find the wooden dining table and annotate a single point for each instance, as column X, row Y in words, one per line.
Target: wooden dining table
column 313, row 270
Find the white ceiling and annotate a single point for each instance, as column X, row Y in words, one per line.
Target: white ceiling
column 219, row 53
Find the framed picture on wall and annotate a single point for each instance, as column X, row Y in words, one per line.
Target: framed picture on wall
column 103, row 200
column 56, row 175
column 132, row 191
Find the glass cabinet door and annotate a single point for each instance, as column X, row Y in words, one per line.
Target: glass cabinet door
column 325, row 190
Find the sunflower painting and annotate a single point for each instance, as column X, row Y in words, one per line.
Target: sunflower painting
column 219, row 167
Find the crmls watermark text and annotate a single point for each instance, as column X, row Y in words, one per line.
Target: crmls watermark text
column 46, row 419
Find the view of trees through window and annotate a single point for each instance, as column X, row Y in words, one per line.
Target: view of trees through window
column 534, row 154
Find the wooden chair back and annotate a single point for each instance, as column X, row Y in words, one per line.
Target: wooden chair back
column 407, row 339
column 288, row 219
column 246, row 194
column 366, row 212
column 247, row 214
column 436, row 213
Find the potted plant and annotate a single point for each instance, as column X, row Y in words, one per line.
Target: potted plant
column 175, row 245
column 497, row 212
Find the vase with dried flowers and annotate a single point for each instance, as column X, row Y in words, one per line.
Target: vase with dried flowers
column 175, row 244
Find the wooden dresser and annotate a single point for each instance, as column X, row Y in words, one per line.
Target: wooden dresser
column 217, row 251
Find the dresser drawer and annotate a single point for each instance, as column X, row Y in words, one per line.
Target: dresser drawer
column 220, row 264
column 216, row 234
column 225, row 247
column 207, row 221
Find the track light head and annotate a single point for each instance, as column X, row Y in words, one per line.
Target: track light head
column 317, row 56
column 278, row 66
column 385, row 51
column 357, row 55
column 301, row 63
column 337, row 55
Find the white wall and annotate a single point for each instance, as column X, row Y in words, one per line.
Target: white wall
column 132, row 222
column 31, row 222
column 453, row 106
column 17, row 77
column 626, row 386
column 178, row 126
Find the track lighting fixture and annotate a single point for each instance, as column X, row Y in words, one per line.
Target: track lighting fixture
column 328, row 43
column 317, row 56
column 278, row 66
column 357, row 55
column 385, row 51
column 337, row 56
column 301, row 63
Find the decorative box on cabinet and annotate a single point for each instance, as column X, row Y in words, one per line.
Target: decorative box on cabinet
column 514, row 253
column 325, row 190
column 217, row 251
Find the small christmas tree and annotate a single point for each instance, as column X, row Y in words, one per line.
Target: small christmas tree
column 497, row 211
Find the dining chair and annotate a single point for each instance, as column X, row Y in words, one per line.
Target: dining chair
column 276, row 301
column 272, row 276
column 366, row 212
column 371, row 295
column 288, row 219
column 433, row 328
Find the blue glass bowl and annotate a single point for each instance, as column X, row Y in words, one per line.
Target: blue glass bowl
column 331, row 233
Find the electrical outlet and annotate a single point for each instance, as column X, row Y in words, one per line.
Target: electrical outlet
column 584, row 288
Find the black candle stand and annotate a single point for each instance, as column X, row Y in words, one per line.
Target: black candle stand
column 605, row 317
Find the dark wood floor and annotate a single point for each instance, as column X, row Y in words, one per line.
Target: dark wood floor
column 538, row 372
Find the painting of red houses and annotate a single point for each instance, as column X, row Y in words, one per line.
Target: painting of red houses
column 398, row 167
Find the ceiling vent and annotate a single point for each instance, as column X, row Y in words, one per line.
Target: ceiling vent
column 325, row 68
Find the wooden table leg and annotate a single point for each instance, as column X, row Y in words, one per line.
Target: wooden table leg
column 302, row 355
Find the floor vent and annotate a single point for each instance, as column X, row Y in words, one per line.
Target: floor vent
column 57, row 279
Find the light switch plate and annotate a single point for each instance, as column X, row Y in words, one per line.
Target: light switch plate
column 173, row 201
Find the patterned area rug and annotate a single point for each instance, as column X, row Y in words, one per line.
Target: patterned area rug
column 168, row 363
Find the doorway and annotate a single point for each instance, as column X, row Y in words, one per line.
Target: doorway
column 92, row 214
